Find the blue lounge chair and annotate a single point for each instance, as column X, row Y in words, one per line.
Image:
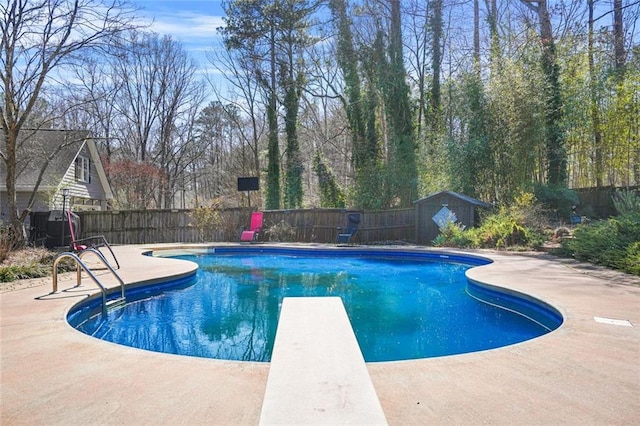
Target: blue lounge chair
column 349, row 231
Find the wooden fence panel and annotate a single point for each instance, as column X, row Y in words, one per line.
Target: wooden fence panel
column 388, row 226
column 321, row 225
column 308, row 225
column 598, row 203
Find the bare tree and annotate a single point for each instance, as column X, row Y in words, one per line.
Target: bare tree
column 244, row 104
column 138, row 99
column 418, row 49
column 40, row 41
column 181, row 95
column 157, row 102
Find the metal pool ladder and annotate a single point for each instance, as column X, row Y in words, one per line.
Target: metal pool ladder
column 80, row 265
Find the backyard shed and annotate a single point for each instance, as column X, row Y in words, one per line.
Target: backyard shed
column 441, row 207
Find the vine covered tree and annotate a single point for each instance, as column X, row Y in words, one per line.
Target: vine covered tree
column 555, row 143
column 294, row 40
column 402, row 162
column 364, row 154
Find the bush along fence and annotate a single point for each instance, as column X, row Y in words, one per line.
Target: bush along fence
column 209, row 225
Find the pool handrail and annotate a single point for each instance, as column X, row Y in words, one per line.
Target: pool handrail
column 80, row 265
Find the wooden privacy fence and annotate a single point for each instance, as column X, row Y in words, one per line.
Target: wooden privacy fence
column 303, row 225
column 159, row 226
column 321, row 225
column 598, row 202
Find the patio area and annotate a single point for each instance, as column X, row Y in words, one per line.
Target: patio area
column 586, row 372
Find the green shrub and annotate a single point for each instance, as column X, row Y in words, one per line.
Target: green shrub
column 10, row 273
column 614, row 243
column 630, row 262
column 31, row 263
column 558, row 199
column 518, row 225
column 500, row 231
column 453, row 235
column 207, row 219
column 626, row 202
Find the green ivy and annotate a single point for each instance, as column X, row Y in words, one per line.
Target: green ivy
column 330, row 193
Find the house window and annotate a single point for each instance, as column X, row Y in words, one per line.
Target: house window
column 82, row 169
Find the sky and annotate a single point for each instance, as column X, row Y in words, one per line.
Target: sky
column 193, row 23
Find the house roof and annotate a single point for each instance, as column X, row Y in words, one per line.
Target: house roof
column 56, row 149
column 462, row 197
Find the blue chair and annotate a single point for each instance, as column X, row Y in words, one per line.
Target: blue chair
column 349, row 231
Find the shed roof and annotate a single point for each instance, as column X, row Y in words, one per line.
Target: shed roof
column 462, row 197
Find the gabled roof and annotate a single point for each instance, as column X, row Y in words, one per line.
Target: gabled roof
column 57, row 148
column 462, row 197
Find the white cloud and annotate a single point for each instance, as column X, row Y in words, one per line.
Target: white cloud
column 196, row 30
column 187, row 26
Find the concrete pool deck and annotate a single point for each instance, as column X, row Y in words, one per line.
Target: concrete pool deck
column 586, row 372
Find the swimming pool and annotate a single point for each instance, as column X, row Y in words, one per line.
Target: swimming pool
column 402, row 304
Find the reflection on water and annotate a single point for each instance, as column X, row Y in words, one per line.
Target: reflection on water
column 399, row 309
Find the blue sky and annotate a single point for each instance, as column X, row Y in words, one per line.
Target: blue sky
column 193, row 23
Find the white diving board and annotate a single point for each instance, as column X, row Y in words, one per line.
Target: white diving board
column 317, row 373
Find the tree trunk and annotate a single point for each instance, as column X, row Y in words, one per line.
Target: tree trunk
column 476, row 37
column 17, row 230
column 358, row 108
column 293, row 192
column 402, row 161
column 556, row 151
column 273, row 154
column 618, row 39
column 492, row 18
column 436, row 102
column 595, row 112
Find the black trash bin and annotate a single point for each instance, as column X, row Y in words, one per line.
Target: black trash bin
column 38, row 228
column 58, row 234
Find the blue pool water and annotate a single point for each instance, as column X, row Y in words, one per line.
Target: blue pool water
column 400, row 306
